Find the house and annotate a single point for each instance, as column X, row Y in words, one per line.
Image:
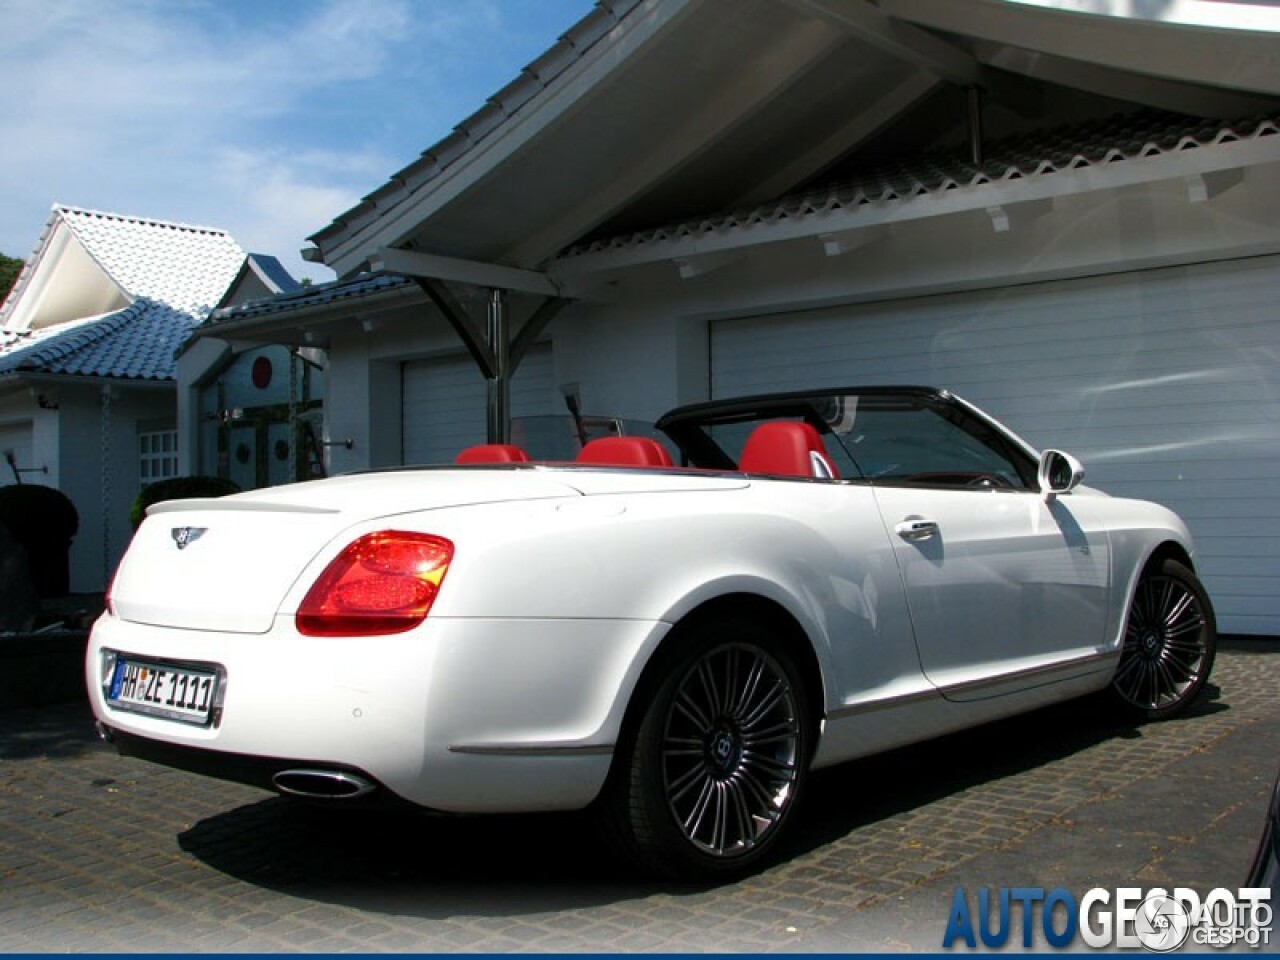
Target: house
column 88, row 336
column 1070, row 217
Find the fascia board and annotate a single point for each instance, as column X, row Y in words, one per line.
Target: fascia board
column 88, row 380
column 285, row 320
column 36, row 275
column 1216, row 56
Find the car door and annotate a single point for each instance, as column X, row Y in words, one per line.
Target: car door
column 999, row 582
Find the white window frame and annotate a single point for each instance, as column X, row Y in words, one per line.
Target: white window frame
column 157, row 455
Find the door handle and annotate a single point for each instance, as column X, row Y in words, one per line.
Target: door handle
column 916, row 528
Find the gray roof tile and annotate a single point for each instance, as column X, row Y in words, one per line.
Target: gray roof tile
column 316, row 295
column 136, row 343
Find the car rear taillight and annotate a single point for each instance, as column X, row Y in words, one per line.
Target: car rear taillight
column 383, row 582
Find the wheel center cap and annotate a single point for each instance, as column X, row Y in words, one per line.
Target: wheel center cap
column 1151, row 643
column 724, row 750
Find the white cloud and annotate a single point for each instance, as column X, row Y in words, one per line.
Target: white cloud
column 265, row 119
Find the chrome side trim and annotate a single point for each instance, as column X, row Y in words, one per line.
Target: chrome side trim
column 1069, row 667
column 533, row 749
column 871, row 706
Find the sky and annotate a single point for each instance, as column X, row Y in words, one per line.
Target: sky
column 264, row 118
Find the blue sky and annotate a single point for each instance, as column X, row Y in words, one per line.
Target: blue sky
column 266, row 118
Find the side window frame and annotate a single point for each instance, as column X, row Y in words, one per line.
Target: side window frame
column 1020, row 464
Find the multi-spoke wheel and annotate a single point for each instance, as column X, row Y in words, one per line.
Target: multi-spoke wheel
column 718, row 757
column 1169, row 643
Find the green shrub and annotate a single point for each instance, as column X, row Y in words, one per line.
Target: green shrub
column 43, row 520
column 31, row 511
column 179, row 488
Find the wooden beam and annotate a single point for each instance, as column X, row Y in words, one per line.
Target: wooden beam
column 1202, row 187
column 918, row 47
column 491, row 276
column 704, row 263
column 838, row 244
column 533, row 328
column 472, row 336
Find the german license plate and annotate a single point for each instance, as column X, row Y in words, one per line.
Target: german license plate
column 163, row 690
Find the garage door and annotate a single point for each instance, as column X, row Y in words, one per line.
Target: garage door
column 15, row 438
column 1166, row 383
column 444, row 402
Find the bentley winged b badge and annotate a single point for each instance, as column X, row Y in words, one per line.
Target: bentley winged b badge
column 184, row 536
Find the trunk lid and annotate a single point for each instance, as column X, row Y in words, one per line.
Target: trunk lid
column 226, row 564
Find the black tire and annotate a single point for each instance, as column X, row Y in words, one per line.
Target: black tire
column 718, row 759
column 1170, row 638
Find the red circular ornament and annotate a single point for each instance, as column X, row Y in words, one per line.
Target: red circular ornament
column 262, row 373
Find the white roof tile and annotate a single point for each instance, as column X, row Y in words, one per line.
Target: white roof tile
column 173, row 273
column 186, row 267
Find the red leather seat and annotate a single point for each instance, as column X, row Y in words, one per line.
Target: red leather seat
column 625, row 452
column 492, row 453
column 789, row 449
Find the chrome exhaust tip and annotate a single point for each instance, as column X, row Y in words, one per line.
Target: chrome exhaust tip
column 104, row 732
column 322, row 784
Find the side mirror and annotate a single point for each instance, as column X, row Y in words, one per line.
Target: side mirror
column 1059, row 473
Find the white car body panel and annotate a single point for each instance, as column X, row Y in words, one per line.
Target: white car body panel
column 512, row 694
column 1001, row 562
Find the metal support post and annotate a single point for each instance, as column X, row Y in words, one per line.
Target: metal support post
column 499, row 385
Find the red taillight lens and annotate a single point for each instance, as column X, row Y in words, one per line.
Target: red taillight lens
column 381, row 583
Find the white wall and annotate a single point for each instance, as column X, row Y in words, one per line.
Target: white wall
column 203, row 359
column 641, row 347
column 83, row 459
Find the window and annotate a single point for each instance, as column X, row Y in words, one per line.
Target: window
column 157, row 455
column 915, row 437
column 909, row 441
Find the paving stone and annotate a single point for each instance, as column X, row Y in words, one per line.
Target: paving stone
column 103, row 853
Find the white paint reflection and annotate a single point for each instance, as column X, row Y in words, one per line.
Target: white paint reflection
column 1261, row 433
column 1212, row 375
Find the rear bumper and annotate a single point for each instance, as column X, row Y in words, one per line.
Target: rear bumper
column 249, row 769
column 462, row 716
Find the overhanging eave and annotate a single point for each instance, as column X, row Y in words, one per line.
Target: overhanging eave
column 708, row 238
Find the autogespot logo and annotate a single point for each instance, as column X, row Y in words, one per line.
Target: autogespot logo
column 1131, row 918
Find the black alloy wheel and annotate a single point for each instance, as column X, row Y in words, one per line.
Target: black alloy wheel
column 719, row 757
column 1170, row 639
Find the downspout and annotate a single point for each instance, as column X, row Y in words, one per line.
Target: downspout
column 106, row 486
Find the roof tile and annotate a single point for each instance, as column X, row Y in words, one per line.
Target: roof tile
column 1117, row 139
column 184, row 266
column 174, row 274
column 136, row 343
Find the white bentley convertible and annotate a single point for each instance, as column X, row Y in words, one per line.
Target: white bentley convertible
column 816, row 577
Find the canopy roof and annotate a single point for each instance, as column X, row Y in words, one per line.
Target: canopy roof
column 647, row 114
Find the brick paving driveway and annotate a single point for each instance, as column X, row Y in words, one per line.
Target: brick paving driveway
column 103, row 853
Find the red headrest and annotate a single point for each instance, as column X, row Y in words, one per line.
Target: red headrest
column 786, row 448
column 625, row 452
column 493, row 453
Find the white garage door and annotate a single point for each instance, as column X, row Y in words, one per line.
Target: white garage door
column 444, row 402
column 16, row 438
column 1166, row 383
